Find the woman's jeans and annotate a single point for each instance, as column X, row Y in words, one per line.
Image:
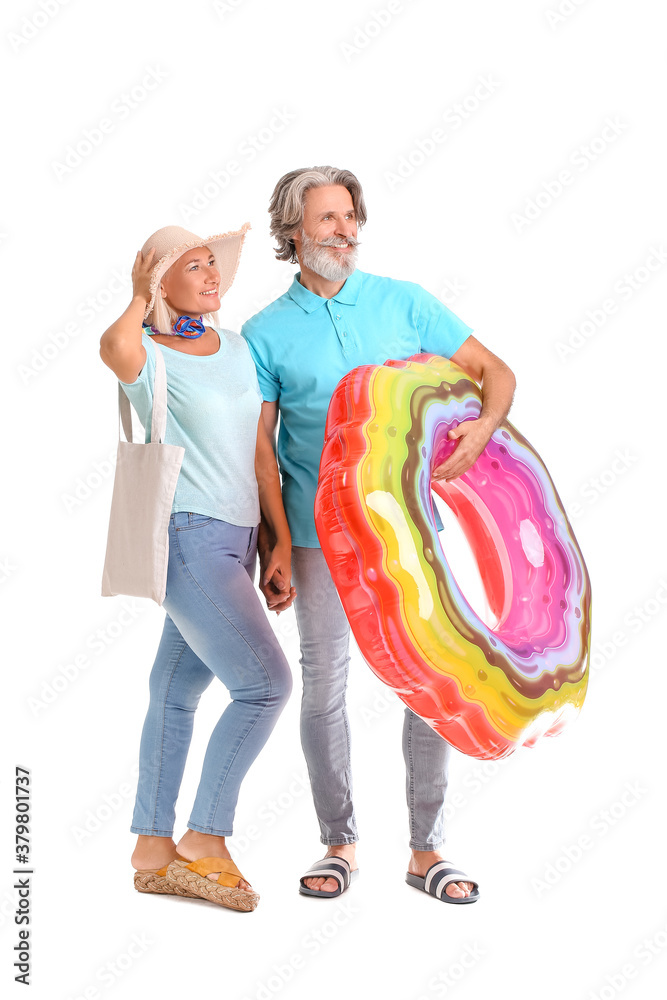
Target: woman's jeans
column 215, row 627
column 325, row 730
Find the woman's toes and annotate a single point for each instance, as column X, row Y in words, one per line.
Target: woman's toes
column 241, row 884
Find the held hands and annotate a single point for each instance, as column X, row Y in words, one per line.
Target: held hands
column 473, row 437
column 276, row 572
column 141, row 275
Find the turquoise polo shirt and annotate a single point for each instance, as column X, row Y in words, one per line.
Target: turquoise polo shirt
column 303, row 345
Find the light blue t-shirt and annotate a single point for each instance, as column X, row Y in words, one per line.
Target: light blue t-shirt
column 213, row 407
column 303, row 345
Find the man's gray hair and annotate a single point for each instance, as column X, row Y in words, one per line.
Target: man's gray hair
column 288, row 199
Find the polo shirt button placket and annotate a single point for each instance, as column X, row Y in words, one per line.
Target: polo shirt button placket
column 336, row 317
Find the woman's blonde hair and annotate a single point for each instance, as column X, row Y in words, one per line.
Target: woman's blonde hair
column 288, row 199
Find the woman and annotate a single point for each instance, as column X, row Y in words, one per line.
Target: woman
column 215, row 624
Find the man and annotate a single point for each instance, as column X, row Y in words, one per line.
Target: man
column 332, row 319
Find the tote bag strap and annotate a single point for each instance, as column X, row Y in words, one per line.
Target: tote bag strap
column 159, row 415
column 159, row 418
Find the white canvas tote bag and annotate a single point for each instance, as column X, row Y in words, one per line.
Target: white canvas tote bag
column 143, row 493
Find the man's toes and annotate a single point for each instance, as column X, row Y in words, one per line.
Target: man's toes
column 454, row 889
column 325, row 884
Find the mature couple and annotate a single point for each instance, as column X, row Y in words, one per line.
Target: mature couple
column 224, row 410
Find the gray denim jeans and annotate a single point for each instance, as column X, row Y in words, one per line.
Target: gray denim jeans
column 325, row 730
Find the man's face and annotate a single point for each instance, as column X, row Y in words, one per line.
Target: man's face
column 327, row 241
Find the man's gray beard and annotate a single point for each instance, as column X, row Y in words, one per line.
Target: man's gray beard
column 319, row 260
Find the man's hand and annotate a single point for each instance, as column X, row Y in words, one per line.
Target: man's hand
column 278, row 596
column 497, row 382
column 276, row 579
column 273, row 568
column 473, row 437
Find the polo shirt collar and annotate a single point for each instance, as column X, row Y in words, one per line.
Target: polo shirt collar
column 309, row 301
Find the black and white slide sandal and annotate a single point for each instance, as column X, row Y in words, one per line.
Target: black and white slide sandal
column 337, row 868
column 438, row 877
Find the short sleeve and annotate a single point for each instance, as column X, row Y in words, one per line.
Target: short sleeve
column 255, row 384
column 251, row 366
column 440, row 330
column 140, row 392
column 269, row 383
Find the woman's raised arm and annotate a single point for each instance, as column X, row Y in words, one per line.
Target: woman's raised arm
column 120, row 346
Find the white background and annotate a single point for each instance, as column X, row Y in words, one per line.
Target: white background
column 361, row 86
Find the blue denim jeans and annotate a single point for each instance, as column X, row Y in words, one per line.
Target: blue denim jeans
column 215, row 627
column 325, row 730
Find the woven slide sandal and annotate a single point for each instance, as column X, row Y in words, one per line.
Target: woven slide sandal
column 438, row 877
column 153, row 880
column 337, row 868
column 191, row 876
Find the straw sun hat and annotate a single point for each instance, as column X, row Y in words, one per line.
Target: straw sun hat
column 172, row 242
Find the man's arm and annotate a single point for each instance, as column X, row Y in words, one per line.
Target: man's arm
column 277, row 599
column 276, row 558
column 270, row 417
column 498, row 384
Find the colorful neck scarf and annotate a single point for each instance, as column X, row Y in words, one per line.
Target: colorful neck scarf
column 187, row 327
column 181, row 327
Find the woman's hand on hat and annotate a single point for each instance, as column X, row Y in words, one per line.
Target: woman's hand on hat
column 141, row 274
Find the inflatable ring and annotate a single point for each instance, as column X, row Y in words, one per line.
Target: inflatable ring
column 486, row 690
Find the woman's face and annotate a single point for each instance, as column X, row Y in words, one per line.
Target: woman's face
column 191, row 285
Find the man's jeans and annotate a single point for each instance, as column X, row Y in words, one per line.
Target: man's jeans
column 325, row 731
column 215, row 627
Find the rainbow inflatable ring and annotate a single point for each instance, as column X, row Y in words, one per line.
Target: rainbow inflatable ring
column 485, row 690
